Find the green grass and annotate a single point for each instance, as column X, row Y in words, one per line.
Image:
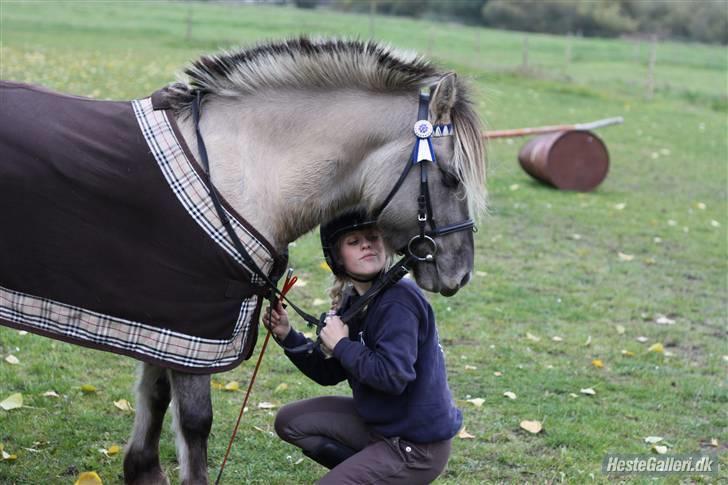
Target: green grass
column 533, row 274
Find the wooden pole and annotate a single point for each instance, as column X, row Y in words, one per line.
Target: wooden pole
column 553, row 128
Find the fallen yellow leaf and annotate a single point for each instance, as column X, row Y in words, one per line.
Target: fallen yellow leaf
column 11, row 359
column 267, row 405
column 534, row 427
column 714, row 442
column 7, row 456
column 656, row 348
column 588, row 341
column 531, row 336
column 557, row 339
column 50, row 394
column 280, row 388
column 621, row 329
column 232, row 386
column 653, row 439
column 215, row 384
column 13, row 401
column 470, row 367
column 324, row 266
column 598, row 363
column 627, row 353
column 89, row 478
column 497, row 373
column 477, row 402
column 588, row 391
column 113, row 450
column 123, row 404
column 464, row 435
column 659, row 449
column 88, row 389
column 509, row 395
column 625, row 257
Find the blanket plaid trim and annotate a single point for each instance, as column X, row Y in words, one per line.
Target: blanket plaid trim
column 192, row 192
column 129, row 337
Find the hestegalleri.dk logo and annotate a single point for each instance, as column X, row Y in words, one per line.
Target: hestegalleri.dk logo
column 696, row 463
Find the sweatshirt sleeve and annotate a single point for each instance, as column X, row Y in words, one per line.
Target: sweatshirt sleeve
column 315, row 366
column 389, row 365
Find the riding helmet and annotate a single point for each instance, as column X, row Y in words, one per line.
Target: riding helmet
column 350, row 220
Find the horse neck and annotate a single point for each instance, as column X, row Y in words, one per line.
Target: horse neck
column 286, row 161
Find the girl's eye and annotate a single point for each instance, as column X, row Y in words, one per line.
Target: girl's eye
column 352, row 242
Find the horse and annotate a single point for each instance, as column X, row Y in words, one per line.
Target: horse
column 296, row 131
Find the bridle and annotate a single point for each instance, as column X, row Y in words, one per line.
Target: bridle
column 423, row 152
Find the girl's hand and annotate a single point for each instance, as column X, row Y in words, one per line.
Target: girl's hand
column 278, row 321
column 334, row 331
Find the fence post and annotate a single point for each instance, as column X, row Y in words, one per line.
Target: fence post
column 188, row 32
column 431, row 41
column 569, row 40
column 651, row 68
column 372, row 14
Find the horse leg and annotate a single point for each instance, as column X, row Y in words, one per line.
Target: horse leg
column 192, row 408
column 141, row 461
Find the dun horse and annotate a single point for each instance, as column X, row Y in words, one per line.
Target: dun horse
column 295, row 132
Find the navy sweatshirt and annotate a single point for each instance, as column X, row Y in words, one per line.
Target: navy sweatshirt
column 395, row 367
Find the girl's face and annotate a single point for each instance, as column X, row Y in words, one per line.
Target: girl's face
column 362, row 252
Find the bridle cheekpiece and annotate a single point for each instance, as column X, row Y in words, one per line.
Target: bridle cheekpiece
column 423, row 152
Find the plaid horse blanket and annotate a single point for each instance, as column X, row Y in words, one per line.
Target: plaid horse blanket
column 109, row 239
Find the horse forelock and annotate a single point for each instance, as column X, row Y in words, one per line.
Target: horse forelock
column 469, row 157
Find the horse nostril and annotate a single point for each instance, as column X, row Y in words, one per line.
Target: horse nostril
column 465, row 279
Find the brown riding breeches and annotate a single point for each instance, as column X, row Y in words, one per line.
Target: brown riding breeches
column 378, row 460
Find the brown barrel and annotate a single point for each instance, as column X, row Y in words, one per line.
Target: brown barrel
column 568, row 160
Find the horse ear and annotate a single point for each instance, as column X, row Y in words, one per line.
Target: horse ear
column 443, row 98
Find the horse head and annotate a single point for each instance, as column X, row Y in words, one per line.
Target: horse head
column 427, row 214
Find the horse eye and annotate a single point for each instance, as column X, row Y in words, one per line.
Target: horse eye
column 449, row 179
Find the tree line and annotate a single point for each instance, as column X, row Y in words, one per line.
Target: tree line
column 692, row 20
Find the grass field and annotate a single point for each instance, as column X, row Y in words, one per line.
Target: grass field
column 551, row 292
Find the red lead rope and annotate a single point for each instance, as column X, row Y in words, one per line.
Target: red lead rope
column 287, row 285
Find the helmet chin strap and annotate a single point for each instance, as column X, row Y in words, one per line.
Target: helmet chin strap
column 364, row 280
